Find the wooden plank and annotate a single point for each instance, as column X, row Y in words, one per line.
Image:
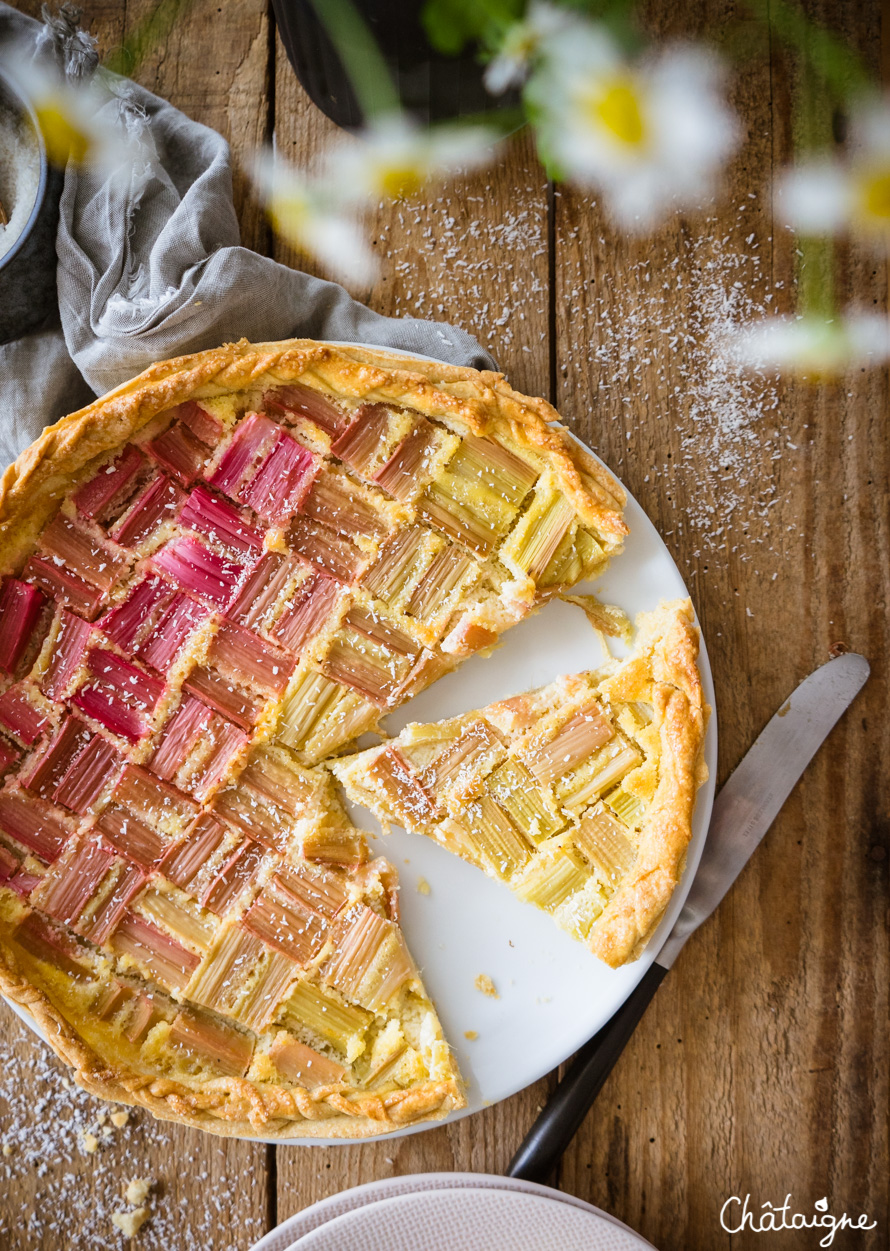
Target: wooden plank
column 474, row 254
column 209, row 1191
column 761, row 1067
column 214, row 64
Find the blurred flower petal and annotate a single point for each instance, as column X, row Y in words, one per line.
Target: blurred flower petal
column 308, row 217
column 523, row 43
column 815, row 198
column 392, row 158
column 80, row 120
column 827, row 197
column 650, row 136
column 814, row 347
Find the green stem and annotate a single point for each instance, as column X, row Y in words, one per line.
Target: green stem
column 815, row 277
column 363, row 62
column 126, row 58
column 832, row 61
column 812, row 108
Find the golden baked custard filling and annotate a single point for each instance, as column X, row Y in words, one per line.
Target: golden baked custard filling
column 214, row 579
column 577, row 795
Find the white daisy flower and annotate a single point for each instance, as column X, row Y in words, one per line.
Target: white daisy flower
column 822, row 197
column 813, row 346
column 393, row 158
column 649, row 136
column 310, row 218
column 523, row 43
column 80, row 121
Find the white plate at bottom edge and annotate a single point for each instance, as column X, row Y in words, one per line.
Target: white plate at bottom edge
column 285, row 1235
column 553, row 994
column 486, row 1219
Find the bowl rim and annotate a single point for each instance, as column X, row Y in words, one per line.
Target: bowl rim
column 12, row 89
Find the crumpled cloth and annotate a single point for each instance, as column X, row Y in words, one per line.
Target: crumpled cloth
column 150, row 266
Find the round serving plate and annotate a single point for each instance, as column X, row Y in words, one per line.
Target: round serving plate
column 485, row 1218
column 287, row 1234
column 552, row 993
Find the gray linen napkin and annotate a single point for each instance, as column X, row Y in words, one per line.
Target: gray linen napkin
column 151, row 267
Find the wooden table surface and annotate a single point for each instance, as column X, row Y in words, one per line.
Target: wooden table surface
column 762, row 1065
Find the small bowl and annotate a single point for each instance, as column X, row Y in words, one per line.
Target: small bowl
column 28, row 270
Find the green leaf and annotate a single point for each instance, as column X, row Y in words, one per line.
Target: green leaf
column 452, row 24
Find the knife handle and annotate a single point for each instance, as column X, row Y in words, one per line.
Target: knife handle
column 544, row 1144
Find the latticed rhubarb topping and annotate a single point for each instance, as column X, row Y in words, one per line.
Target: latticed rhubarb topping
column 547, row 792
column 214, row 608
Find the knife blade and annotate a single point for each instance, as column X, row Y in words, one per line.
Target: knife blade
column 753, row 795
column 743, row 811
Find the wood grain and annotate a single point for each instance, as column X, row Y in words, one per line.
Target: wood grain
column 762, row 1066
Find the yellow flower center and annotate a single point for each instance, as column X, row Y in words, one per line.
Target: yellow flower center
column 397, row 182
column 874, row 196
column 616, row 108
column 63, row 139
column 288, row 215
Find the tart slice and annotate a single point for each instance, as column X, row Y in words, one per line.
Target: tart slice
column 239, row 967
column 578, row 795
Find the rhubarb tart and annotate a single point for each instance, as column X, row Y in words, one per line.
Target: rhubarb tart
column 578, row 796
column 214, row 579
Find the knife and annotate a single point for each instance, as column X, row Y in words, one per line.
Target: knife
column 743, row 812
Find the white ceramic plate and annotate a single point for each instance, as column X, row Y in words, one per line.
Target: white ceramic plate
column 553, row 993
column 286, row 1235
column 485, row 1219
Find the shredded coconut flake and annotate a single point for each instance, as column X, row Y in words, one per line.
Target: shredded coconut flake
column 663, row 351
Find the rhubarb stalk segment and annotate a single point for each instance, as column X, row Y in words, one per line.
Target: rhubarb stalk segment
column 578, row 796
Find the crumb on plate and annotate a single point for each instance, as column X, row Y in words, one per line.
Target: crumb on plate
column 423, row 886
column 484, row 983
column 471, row 1034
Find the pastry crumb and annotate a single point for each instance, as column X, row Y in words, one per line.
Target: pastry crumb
column 107, row 1132
column 137, row 1190
column 8, row 1149
column 484, row 983
column 423, row 886
column 119, row 1119
column 471, row 1034
column 90, row 1143
column 129, row 1223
